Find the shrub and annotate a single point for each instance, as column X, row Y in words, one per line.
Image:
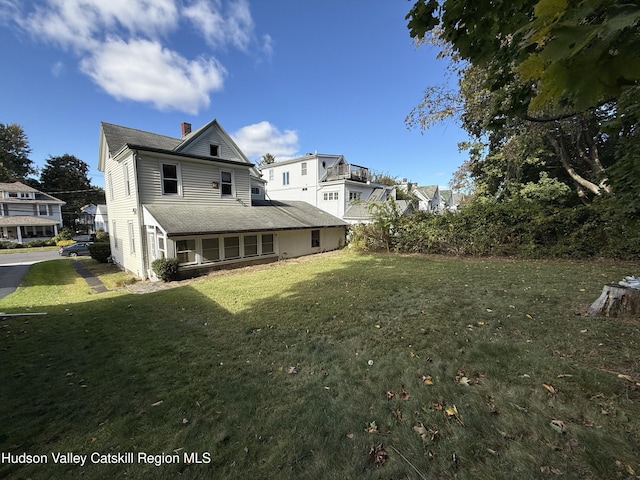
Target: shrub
column 40, row 243
column 64, row 243
column 101, row 236
column 65, row 233
column 10, row 245
column 166, row 269
column 100, row 252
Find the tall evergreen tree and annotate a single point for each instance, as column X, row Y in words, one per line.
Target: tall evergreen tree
column 15, row 164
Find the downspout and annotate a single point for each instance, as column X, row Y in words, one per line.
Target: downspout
column 142, row 234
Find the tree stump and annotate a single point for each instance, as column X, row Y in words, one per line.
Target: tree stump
column 616, row 300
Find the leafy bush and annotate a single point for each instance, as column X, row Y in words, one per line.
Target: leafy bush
column 100, row 252
column 10, row 245
column 64, row 243
column 65, row 233
column 40, row 243
column 166, row 269
column 101, row 236
column 521, row 228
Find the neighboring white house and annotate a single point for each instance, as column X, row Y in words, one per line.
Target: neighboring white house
column 431, row 198
column 199, row 199
column 87, row 217
column 28, row 214
column 328, row 182
column 101, row 220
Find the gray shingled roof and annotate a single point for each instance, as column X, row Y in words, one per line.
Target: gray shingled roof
column 118, row 136
column 265, row 215
column 23, row 220
column 361, row 211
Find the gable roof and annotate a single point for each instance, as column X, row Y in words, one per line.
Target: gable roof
column 118, row 136
column 263, row 215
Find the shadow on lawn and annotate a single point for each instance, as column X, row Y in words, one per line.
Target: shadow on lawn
column 176, row 371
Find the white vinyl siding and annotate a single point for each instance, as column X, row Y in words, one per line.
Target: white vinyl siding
column 197, row 183
column 214, row 136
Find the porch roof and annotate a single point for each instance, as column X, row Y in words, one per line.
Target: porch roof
column 26, row 221
column 181, row 220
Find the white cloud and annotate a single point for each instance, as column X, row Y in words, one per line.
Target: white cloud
column 234, row 28
column 144, row 71
column 121, row 44
column 267, row 45
column 260, row 138
column 57, row 69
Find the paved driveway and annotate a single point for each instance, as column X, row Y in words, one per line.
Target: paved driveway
column 14, row 266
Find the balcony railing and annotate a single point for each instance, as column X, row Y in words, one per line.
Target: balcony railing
column 349, row 172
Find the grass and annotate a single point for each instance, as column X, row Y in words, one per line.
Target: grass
column 266, row 372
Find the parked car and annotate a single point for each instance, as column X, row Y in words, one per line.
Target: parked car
column 75, row 249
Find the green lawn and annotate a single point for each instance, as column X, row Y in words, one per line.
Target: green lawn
column 334, row 366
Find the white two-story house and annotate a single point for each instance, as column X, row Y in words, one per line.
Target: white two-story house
column 198, row 198
column 28, row 214
column 328, row 182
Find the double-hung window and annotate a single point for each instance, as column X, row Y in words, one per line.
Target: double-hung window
column 210, row 249
column 285, row 178
column 170, row 181
column 303, row 168
column 226, row 183
column 186, row 251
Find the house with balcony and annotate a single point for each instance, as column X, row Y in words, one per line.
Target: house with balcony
column 327, row 182
column 27, row 214
column 199, row 199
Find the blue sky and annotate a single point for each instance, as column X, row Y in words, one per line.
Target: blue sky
column 281, row 76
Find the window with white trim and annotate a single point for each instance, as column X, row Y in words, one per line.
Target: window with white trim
column 267, row 243
column 231, row 247
column 43, row 210
column 330, row 196
column 271, row 174
column 127, row 184
column 110, row 183
column 355, row 196
column 214, row 150
column 210, row 249
column 315, row 238
column 250, row 245
column 303, row 168
column 186, row 251
column 285, row 178
column 226, row 183
column 170, row 179
column 132, row 240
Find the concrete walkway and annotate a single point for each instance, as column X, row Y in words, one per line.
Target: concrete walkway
column 93, row 281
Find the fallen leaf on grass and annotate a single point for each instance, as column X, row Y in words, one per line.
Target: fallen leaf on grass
column 404, row 395
column 371, row 428
column 550, row 470
column 350, row 436
column 390, row 394
column 159, row 402
column 452, row 411
column 549, row 388
column 426, row 379
column 558, row 426
column 398, row 414
column 292, row 370
column 378, row 455
column 427, row 434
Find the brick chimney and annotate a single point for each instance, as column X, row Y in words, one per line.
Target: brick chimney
column 186, row 129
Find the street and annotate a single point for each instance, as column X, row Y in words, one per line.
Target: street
column 14, row 266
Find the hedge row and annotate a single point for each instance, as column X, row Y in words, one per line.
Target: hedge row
column 508, row 229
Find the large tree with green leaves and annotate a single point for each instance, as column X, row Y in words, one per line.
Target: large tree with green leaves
column 519, row 91
column 15, row 164
column 66, row 177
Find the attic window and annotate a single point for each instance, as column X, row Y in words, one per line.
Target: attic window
column 214, row 150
